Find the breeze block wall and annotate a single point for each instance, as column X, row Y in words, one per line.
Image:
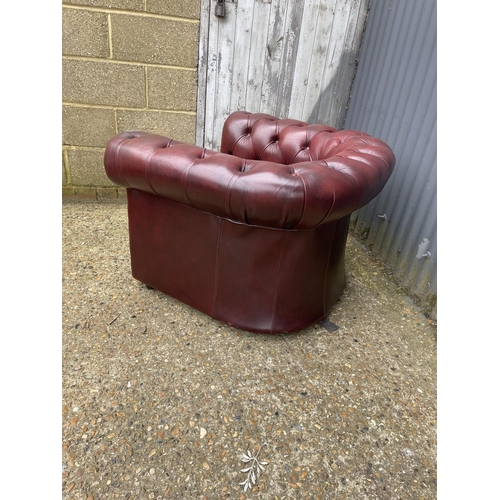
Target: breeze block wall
column 126, row 65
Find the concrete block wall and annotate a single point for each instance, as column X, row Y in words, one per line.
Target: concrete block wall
column 126, row 65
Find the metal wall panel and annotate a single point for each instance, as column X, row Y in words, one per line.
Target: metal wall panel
column 394, row 98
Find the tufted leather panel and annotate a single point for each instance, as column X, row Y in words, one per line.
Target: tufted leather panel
column 253, row 235
column 270, row 172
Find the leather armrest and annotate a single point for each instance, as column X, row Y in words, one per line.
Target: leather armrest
column 257, row 192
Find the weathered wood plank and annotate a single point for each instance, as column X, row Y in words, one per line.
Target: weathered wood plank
column 293, row 23
column 289, row 58
column 319, row 75
column 202, row 71
column 273, row 63
column 258, row 54
column 303, row 60
column 227, row 38
column 211, row 78
column 241, row 61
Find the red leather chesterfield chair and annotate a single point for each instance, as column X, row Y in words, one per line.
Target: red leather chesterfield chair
column 254, row 235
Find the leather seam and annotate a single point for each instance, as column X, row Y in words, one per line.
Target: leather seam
column 216, row 277
column 227, row 197
column 331, row 204
column 235, row 143
column 328, row 268
column 309, row 140
column 185, row 172
column 146, row 172
column 251, row 140
column 327, row 213
column 277, row 281
column 147, row 168
column 119, row 170
column 303, row 202
column 272, row 161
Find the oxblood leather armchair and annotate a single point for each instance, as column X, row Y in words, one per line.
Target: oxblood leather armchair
column 255, row 235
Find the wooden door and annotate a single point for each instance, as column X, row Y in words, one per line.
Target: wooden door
column 288, row 58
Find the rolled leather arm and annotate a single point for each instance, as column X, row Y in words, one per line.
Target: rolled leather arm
column 256, row 192
column 365, row 161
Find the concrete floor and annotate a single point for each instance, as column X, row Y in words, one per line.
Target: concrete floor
column 161, row 401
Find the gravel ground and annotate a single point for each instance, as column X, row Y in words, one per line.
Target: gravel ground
column 161, row 401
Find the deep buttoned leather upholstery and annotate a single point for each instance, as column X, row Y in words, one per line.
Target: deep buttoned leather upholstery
column 253, row 235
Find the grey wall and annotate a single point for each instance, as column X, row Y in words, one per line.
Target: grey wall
column 394, row 99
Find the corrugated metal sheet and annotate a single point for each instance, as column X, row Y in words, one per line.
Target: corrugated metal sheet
column 394, row 98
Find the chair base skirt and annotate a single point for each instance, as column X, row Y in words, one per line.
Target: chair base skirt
column 253, row 278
